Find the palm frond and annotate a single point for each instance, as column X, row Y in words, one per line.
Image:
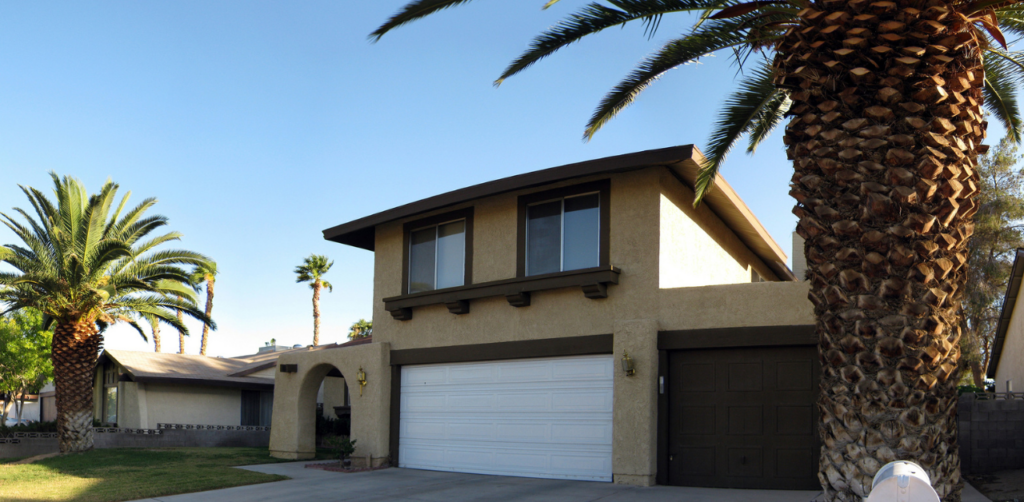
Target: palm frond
column 1001, row 96
column 596, row 17
column 742, row 111
column 711, row 37
column 411, row 12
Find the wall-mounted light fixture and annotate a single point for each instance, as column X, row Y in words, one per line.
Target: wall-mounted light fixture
column 361, row 378
column 627, row 364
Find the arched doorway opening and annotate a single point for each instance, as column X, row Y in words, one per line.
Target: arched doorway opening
column 322, row 395
column 333, row 408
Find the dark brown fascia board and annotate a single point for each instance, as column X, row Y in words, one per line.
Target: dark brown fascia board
column 360, row 233
column 506, row 287
column 522, row 349
column 1009, row 301
column 749, row 336
column 206, row 382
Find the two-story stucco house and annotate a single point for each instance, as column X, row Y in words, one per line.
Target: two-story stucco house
column 579, row 322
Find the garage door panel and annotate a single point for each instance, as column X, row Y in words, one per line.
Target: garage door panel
column 538, row 418
column 756, row 430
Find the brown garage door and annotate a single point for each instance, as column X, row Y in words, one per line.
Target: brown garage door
column 743, row 417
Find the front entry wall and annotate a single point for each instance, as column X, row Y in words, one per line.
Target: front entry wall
column 294, row 431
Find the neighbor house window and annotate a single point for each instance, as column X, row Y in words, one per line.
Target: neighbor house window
column 437, row 252
column 257, row 407
column 110, row 375
column 563, row 229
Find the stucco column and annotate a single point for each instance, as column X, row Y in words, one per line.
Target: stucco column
column 285, row 430
column 635, row 416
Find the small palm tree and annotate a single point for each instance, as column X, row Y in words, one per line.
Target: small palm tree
column 87, row 267
column 205, row 273
column 360, row 329
column 312, row 271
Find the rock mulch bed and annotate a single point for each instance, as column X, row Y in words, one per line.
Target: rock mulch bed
column 336, row 467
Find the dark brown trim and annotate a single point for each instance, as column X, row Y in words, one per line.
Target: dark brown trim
column 460, row 214
column 289, row 368
column 207, row 383
column 593, row 281
column 525, row 349
column 603, row 187
column 396, row 410
column 360, row 233
column 661, row 476
column 751, row 336
column 1006, row 313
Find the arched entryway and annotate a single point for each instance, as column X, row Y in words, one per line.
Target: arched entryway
column 298, row 381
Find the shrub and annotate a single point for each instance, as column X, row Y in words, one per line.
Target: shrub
column 29, row 427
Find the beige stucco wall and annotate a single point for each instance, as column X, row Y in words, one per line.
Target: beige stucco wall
column 295, row 396
column 696, row 247
column 1011, row 361
column 633, row 247
column 193, row 404
column 735, row 305
column 128, row 413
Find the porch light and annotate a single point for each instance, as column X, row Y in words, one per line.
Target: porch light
column 361, row 378
column 627, row 364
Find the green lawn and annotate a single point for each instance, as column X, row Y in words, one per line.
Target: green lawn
column 127, row 474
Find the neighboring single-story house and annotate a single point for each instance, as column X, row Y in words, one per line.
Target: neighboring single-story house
column 142, row 389
column 580, row 322
column 28, row 405
column 1007, row 363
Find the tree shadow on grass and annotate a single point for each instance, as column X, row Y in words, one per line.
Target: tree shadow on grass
column 127, row 474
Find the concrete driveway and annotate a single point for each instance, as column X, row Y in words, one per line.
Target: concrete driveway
column 430, row 486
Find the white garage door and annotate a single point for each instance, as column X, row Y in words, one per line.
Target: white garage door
column 541, row 418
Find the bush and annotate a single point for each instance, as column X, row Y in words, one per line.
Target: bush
column 964, row 389
column 29, row 427
column 331, row 426
column 343, row 444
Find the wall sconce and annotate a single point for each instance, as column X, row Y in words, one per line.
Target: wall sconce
column 361, row 378
column 627, row 364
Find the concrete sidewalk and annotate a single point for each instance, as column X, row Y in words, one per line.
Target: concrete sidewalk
column 431, row 486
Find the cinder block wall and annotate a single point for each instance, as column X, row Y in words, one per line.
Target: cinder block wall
column 991, row 434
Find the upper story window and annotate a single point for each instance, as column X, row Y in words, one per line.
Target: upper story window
column 438, row 252
column 564, row 229
column 563, row 234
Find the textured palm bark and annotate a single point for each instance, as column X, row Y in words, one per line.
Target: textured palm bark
column 885, row 134
column 181, row 334
column 75, row 350
column 156, row 337
column 316, row 313
column 209, row 311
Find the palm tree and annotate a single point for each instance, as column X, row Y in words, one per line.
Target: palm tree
column 360, row 329
column 886, row 103
column 206, row 273
column 87, row 268
column 312, row 271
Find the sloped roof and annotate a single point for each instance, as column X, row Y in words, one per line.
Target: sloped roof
column 684, row 161
column 160, row 367
column 262, row 361
column 1009, row 302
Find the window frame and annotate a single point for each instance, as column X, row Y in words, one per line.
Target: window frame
column 434, row 221
column 601, row 187
column 111, row 377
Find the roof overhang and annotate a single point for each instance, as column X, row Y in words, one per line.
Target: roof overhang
column 1009, row 302
column 684, row 162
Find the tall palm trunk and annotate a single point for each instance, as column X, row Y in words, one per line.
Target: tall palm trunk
column 75, row 350
column 209, row 311
column 156, row 337
column 181, row 335
column 886, row 131
column 316, row 313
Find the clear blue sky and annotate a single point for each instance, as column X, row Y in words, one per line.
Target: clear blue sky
column 259, row 124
